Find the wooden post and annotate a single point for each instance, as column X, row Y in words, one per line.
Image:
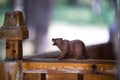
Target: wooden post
column 14, row 31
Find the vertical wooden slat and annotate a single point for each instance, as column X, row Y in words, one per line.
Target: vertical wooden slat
column 80, row 77
column 11, row 69
column 43, row 76
column 3, row 72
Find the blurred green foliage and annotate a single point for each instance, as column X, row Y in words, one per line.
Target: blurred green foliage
column 2, row 14
column 5, row 6
column 83, row 13
column 4, row 2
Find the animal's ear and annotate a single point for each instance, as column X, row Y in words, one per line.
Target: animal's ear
column 53, row 39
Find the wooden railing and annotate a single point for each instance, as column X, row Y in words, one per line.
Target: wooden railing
column 14, row 67
column 49, row 69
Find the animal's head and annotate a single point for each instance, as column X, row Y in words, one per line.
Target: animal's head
column 57, row 41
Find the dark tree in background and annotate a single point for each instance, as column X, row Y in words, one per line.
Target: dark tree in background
column 96, row 6
column 38, row 14
column 73, row 2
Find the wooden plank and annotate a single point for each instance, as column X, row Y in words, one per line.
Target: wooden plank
column 3, row 72
column 99, row 77
column 59, row 76
column 10, row 71
column 68, row 76
column 81, row 68
column 55, row 71
column 32, row 76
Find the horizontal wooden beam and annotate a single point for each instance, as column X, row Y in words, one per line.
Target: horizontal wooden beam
column 59, row 67
column 11, row 69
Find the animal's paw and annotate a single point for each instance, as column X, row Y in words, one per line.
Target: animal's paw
column 83, row 57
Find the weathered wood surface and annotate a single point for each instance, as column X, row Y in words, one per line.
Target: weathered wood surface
column 32, row 76
column 61, row 70
column 14, row 49
column 99, row 77
column 59, row 76
column 71, row 69
column 14, row 30
column 14, row 27
column 60, row 67
column 10, row 71
column 52, row 76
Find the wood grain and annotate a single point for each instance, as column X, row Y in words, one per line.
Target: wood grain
column 14, row 31
column 32, row 76
column 10, row 71
column 81, row 68
column 99, row 77
column 19, row 70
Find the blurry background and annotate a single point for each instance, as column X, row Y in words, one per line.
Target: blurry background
column 92, row 21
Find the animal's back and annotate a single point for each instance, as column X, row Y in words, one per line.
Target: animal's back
column 76, row 48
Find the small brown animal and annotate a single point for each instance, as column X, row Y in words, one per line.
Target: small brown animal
column 71, row 49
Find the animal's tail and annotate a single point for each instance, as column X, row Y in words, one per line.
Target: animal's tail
column 85, row 54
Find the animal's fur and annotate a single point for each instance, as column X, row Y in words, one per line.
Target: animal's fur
column 71, row 49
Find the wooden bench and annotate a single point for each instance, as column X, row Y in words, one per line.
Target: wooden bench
column 14, row 67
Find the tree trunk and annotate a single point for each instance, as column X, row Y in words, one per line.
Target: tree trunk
column 73, row 2
column 38, row 18
column 96, row 6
